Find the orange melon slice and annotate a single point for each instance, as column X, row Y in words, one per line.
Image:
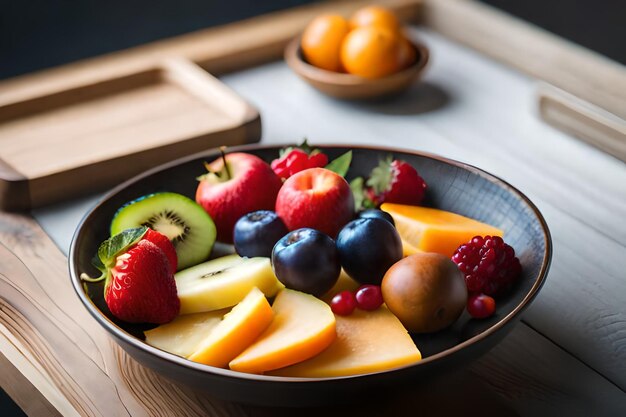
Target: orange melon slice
column 367, row 341
column 433, row 230
column 183, row 335
column 239, row 328
column 303, row 326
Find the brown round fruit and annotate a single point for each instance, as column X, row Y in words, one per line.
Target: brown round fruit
column 426, row 291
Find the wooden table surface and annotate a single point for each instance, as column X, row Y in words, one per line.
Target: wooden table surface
column 568, row 354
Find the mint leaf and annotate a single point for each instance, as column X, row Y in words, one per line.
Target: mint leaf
column 113, row 246
column 341, row 164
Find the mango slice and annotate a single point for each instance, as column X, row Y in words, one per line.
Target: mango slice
column 239, row 328
column 303, row 326
column 433, row 230
column 183, row 335
column 367, row 341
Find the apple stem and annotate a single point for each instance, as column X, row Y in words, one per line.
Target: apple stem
column 222, row 149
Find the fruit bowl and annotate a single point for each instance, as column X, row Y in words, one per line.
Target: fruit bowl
column 453, row 186
column 352, row 87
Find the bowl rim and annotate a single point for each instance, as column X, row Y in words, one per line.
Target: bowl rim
column 295, row 59
column 118, row 332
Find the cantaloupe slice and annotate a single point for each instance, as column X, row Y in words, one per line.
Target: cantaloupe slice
column 183, row 335
column 408, row 249
column 367, row 341
column 239, row 328
column 433, row 230
column 303, row 326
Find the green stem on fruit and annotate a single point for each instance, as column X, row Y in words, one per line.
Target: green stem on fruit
column 222, row 149
column 87, row 278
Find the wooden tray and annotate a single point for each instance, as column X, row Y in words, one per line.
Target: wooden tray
column 98, row 133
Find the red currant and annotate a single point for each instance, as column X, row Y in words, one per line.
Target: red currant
column 343, row 303
column 481, row 306
column 369, row 297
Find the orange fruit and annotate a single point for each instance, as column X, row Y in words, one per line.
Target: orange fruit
column 375, row 16
column 371, row 52
column 321, row 41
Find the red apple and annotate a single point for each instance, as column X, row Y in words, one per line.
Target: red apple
column 315, row 198
column 244, row 185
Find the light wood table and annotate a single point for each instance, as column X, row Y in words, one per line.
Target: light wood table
column 568, row 355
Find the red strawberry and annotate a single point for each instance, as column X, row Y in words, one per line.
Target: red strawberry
column 294, row 160
column 165, row 245
column 141, row 287
column 395, row 181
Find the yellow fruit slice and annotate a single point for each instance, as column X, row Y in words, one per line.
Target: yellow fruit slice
column 183, row 335
column 408, row 249
column 303, row 326
column 344, row 283
column 239, row 328
column 433, row 230
column 224, row 282
column 367, row 341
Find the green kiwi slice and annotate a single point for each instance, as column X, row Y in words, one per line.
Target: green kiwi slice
column 181, row 219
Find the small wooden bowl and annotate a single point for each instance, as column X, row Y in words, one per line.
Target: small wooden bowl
column 353, row 87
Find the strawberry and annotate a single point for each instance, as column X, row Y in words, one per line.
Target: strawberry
column 295, row 159
column 165, row 245
column 139, row 277
column 392, row 181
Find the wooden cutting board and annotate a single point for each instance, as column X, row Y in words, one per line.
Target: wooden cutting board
column 111, row 126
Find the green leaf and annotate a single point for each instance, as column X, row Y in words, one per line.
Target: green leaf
column 113, row 246
column 341, row 164
column 381, row 176
column 356, row 185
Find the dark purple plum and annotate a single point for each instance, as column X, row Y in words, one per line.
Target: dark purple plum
column 367, row 249
column 256, row 233
column 306, row 260
column 376, row 214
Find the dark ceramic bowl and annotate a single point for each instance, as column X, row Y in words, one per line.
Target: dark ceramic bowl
column 452, row 186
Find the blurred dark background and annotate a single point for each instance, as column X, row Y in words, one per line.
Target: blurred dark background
column 38, row 34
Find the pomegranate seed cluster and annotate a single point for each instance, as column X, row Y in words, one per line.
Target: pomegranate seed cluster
column 489, row 265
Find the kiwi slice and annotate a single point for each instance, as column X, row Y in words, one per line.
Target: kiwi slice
column 181, row 219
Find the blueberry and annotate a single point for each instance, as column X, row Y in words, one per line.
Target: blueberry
column 306, row 260
column 376, row 214
column 256, row 233
column 367, row 249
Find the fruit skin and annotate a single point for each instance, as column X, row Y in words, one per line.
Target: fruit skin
column 369, row 297
column 374, row 16
column 303, row 326
column 488, row 264
column 306, row 260
column 224, row 282
column 396, row 181
column 371, row 52
column 190, row 229
column 375, row 213
column 316, row 198
column 321, row 41
column 343, row 303
column 256, row 233
column 237, row 330
column 248, row 185
column 481, row 306
column 140, row 287
column 367, row 248
column 425, row 291
column 165, row 245
column 298, row 160
column 434, row 230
